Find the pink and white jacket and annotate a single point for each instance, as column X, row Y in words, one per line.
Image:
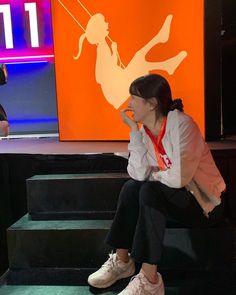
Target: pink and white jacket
column 192, row 165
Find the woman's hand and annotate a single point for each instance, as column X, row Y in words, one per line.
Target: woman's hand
column 128, row 121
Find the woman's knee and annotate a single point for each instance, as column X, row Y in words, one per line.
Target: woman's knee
column 129, row 191
column 148, row 196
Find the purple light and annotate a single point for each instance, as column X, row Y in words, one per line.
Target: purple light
column 14, row 59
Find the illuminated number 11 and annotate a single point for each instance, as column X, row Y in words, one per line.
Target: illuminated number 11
column 33, row 24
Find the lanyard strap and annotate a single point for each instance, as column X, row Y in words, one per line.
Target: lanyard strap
column 158, row 147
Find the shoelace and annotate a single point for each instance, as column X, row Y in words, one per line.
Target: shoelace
column 109, row 264
column 135, row 285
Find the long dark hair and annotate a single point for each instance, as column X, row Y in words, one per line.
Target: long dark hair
column 154, row 85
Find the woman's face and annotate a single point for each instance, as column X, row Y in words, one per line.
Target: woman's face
column 102, row 26
column 141, row 109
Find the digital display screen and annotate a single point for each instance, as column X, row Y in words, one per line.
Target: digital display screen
column 25, row 31
column 110, row 44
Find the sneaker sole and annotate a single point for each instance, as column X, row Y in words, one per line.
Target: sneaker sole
column 123, row 275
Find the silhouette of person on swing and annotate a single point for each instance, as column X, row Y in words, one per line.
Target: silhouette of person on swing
column 113, row 77
column 4, row 125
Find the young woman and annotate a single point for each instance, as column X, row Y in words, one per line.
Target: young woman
column 173, row 176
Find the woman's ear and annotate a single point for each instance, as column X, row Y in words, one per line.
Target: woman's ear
column 153, row 103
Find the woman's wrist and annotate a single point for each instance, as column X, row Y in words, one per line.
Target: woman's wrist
column 134, row 128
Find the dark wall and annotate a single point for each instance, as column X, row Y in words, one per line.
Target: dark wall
column 220, row 64
column 212, row 60
column 229, row 66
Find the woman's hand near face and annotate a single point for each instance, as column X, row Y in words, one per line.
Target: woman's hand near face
column 128, row 121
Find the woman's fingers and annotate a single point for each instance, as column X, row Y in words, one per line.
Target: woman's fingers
column 124, row 115
column 127, row 120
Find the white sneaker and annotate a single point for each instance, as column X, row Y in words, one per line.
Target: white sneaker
column 111, row 271
column 139, row 285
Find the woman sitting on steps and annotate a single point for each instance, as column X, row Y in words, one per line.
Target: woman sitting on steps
column 173, row 176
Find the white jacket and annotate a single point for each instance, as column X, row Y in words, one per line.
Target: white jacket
column 192, row 165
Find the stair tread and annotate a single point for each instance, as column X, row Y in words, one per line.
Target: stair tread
column 26, row 224
column 78, row 176
column 42, row 290
column 86, row 290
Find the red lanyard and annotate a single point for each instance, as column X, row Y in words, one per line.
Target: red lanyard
column 159, row 149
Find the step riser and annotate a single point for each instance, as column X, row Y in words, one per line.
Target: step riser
column 74, row 197
column 52, row 248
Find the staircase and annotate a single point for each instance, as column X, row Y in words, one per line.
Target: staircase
column 60, row 242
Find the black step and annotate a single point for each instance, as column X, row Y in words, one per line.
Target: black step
column 74, row 196
column 79, row 244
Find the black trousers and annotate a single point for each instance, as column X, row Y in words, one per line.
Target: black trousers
column 143, row 210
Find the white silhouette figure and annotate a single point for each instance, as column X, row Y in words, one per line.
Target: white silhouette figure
column 110, row 73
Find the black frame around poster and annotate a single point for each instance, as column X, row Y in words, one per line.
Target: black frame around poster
column 213, row 70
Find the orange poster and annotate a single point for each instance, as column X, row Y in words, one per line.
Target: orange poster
column 102, row 46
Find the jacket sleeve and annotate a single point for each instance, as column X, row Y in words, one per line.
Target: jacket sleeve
column 188, row 145
column 138, row 166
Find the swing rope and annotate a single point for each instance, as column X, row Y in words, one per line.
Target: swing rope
column 86, row 10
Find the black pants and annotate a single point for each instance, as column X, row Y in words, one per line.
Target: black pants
column 143, row 210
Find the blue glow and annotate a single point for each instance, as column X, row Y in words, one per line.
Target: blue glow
column 33, row 121
column 26, row 62
column 19, row 68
